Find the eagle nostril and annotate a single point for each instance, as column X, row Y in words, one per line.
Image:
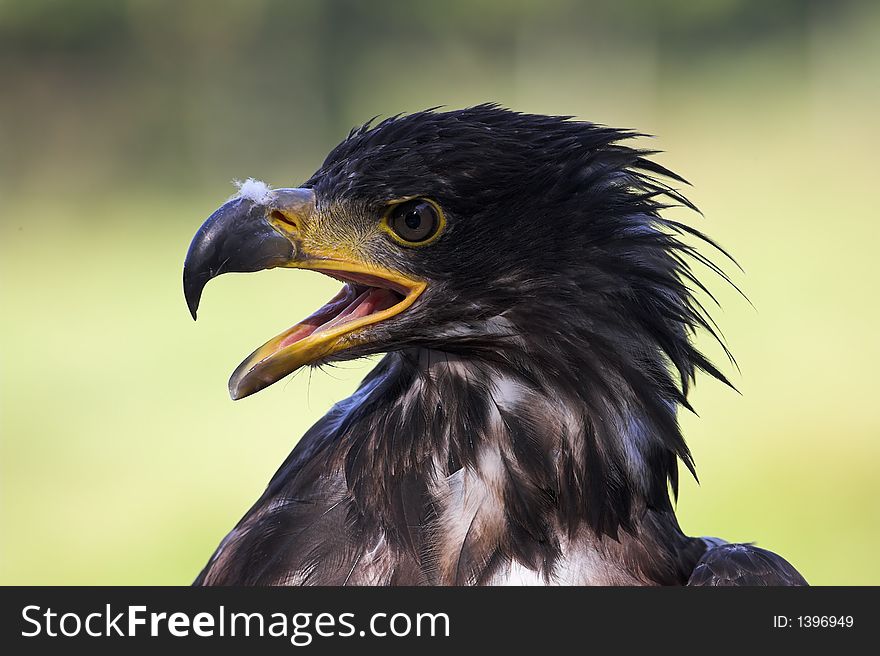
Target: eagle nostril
column 280, row 217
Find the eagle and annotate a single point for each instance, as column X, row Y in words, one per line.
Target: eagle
column 536, row 311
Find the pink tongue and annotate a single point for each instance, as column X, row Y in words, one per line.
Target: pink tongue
column 300, row 333
column 373, row 300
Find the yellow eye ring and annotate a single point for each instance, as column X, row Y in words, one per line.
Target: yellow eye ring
column 413, row 222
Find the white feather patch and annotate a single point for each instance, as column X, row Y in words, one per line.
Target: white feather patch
column 254, row 190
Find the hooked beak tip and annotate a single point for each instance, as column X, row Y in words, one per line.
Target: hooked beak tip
column 192, row 292
column 237, row 237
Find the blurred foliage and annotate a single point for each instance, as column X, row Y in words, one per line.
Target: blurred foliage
column 122, row 122
column 156, row 90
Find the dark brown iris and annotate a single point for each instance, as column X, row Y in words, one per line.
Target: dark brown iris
column 414, row 221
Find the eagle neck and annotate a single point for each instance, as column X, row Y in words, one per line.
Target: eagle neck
column 434, row 433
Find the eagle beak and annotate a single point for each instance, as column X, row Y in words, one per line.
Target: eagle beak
column 247, row 236
column 239, row 237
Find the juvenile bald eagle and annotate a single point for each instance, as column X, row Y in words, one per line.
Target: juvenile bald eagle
column 536, row 313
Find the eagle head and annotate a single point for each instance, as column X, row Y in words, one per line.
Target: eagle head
column 535, row 242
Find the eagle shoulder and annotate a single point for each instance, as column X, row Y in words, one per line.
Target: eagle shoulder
column 726, row 564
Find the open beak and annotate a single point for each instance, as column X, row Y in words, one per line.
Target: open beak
column 245, row 236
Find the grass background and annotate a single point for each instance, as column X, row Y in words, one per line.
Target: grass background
column 122, row 459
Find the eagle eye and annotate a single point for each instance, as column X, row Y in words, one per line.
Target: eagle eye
column 415, row 222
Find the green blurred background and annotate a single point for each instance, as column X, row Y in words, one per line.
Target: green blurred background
column 122, row 458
